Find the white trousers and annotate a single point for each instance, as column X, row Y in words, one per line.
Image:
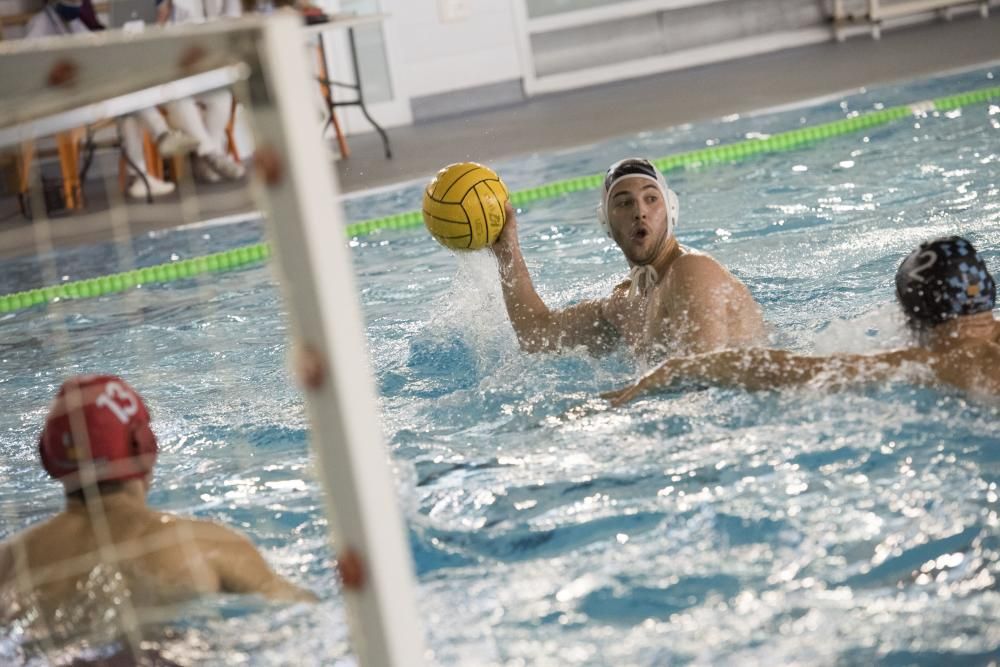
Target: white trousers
column 205, row 118
column 131, row 133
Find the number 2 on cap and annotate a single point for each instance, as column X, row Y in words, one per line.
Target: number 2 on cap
column 107, row 399
column 927, row 259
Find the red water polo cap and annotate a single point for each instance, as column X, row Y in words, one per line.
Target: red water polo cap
column 97, row 430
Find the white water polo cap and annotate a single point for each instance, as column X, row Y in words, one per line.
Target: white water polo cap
column 635, row 167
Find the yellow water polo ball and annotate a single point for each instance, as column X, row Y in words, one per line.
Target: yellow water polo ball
column 464, row 206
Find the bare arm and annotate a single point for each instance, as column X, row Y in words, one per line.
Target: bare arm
column 241, row 568
column 973, row 367
column 537, row 327
column 712, row 307
column 769, row 369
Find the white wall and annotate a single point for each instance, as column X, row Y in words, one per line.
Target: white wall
column 440, row 57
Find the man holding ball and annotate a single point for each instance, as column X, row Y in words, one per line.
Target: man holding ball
column 675, row 300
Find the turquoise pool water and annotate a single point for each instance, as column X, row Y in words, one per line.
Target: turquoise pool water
column 702, row 527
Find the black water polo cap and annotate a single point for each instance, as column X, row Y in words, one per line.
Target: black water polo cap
column 944, row 279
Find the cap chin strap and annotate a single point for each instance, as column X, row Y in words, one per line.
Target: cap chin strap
column 644, row 278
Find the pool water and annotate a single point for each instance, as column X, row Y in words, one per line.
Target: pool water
column 709, row 526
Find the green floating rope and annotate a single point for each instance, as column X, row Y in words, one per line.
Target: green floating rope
column 119, row 282
column 728, row 153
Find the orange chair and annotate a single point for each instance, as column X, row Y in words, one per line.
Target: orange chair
column 327, row 91
column 23, row 166
column 68, row 146
column 231, row 133
column 68, row 150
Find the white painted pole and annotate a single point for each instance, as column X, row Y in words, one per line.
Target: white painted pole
column 307, row 228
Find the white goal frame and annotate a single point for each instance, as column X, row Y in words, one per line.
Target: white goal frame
column 113, row 73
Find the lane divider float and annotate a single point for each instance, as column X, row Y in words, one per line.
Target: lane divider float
column 237, row 258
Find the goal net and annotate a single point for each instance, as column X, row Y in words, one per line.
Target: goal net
column 215, row 280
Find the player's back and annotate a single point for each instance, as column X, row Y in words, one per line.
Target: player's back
column 83, row 565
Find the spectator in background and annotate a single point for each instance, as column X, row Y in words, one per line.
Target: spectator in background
column 71, row 17
column 205, row 117
column 199, row 11
column 57, row 18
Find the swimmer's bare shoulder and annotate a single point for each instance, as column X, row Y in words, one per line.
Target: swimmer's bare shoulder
column 696, row 270
column 232, row 558
column 10, row 583
column 619, row 292
column 696, row 281
column 716, row 308
column 622, row 288
column 14, row 549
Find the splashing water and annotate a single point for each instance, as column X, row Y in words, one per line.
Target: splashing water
column 706, row 526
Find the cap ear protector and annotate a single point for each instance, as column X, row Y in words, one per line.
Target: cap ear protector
column 636, row 168
column 143, row 440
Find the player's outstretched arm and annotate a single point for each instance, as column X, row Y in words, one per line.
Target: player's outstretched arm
column 769, row 369
column 538, row 328
column 241, row 568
